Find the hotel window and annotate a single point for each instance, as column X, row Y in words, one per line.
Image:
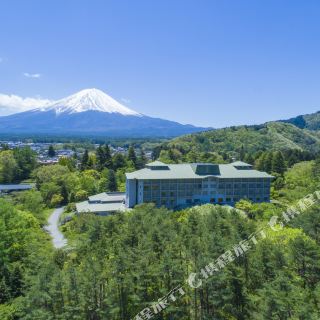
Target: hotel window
column 212, row 200
column 228, row 199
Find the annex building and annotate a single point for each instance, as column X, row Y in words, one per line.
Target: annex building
column 103, row 203
column 180, row 185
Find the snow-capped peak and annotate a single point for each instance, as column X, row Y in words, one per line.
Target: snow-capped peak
column 88, row 100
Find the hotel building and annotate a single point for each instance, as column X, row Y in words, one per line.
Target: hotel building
column 181, row 185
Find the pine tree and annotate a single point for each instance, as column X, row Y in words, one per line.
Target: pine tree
column 260, row 162
column 268, row 162
column 142, row 160
column 107, row 157
column 118, row 161
column 132, row 156
column 278, row 163
column 51, row 151
column 111, row 181
column 101, row 160
column 242, row 153
column 84, row 160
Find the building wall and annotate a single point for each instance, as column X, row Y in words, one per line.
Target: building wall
column 185, row 192
column 131, row 193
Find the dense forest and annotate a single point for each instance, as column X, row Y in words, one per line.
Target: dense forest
column 116, row 266
column 235, row 142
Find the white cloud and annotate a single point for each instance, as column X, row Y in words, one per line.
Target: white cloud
column 10, row 104
column 32, row 75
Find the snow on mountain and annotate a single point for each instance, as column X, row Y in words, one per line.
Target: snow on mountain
column 91, row 112
column 89, row 100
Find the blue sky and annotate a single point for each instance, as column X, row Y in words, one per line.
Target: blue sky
column 211, row 63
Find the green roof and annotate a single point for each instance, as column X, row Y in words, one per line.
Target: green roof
column 85, row 206
column 108, row 197
column 197, row 171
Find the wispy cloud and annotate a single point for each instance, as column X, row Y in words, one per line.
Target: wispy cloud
column 10, row 104
column 1, row 59
column 32, row 75
column 125, row 100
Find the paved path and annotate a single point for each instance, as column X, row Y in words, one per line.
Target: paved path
column 58, row 238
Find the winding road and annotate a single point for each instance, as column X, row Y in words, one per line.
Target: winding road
column 58, row 238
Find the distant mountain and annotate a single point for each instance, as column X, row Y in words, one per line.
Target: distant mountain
column 308, row 121
column 91, row 112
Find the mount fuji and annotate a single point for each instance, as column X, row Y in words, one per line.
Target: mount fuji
column 91, row 112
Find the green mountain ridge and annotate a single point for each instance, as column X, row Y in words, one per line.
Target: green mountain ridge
column 308, row 121
column 270, row 136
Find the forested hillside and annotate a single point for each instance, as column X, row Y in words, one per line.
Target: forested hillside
column 308, row 121
column 237, row 141
column 116, row 266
